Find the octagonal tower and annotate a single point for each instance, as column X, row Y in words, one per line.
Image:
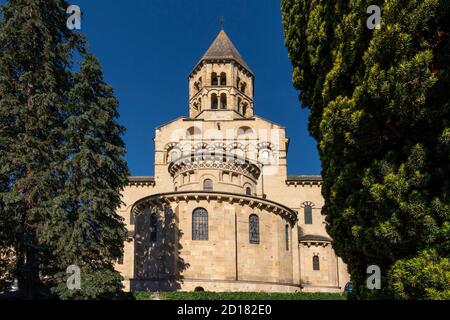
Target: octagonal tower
column 221, row 82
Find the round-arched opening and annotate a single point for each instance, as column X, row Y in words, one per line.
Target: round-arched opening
column 199, row 289
column 245, row 133
column 200, row 225
column 254, row 229
column 223, row 79
column 223, row 101
column 214, row 101
column 174, row 155
column 214, row 79
column 208, row 185
column 265, row 157
column 244, row 108
column 193, row 133
column 316, row 263
column 243, row 87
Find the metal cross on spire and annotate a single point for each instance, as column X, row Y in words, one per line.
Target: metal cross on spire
column 222, row 22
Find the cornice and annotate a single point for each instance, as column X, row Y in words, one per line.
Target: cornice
column 141, row 181
column 231, row 198
column 304, row 180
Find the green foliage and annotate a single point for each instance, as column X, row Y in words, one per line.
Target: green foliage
column 61, row 155
column 379, row 110
column 426, row 276
column 240, row 296
column 95, row 284
column 6, row 269
column 141, row 296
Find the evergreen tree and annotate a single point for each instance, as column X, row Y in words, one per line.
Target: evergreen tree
column 379, row 110
column 94, row 171
column 61, row 156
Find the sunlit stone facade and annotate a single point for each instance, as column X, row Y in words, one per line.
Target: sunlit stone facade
column 220, row 213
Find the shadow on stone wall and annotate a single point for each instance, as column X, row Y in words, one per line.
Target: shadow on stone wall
column 158, row 265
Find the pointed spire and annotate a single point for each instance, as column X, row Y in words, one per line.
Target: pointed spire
column 223, row 48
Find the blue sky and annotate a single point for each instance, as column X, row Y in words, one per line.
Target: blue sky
column 148, row 47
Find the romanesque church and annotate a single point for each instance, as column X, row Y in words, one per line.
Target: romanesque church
column 220, row 212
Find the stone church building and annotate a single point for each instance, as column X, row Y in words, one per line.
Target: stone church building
column 221, row 213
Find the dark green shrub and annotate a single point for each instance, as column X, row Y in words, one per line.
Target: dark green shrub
column 249, row 296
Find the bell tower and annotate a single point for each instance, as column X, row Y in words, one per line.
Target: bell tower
column 221, row 82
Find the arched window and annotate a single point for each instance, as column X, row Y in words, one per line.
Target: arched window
column 214, row 80
column 308, row 214
column 239, row 104
column 316, row 263
column 254, row 229
column 238, row 153
column 265, row 157
column 208, row 185
column 243, row 87
column 223, row 79
column 153, row 227
column 174, row 156
column 223, row 101
column 200, row 104
column 200, row 224
column 244, row 109
column 214, row 101
column 193, row 133
column 286, row 231
column 248, row 191
column 238, row 82
column 245, row 133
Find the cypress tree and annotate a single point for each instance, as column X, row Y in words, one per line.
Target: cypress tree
column 379, row 110
column 61, row 156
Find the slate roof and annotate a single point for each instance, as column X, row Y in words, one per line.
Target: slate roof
column 223, row 49
column 311, row 237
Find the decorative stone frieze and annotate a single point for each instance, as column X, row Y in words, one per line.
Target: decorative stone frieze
column 227, row 162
